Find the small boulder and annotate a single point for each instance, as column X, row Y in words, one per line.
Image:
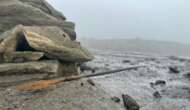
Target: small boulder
column 160, row 82
column 174, row 70
column 126, row 61
column 157, row 95
column 84, row 67
column 130, row 103
column 187, row 75
column 152, row 84
column 116, row 99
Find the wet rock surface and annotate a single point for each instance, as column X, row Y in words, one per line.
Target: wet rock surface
column 174, row 70
column 152, row 87
column 116, row 99
column 171, row 91
column 130, row 103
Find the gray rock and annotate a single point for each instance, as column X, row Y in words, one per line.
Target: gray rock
column 126, row 61
column 174, row 70
column 46, row 7
column 43, row 67
column 116, row 99
column 19, row 57
column 50, row 40
column 157, row 95
column 160, row 82
column 187, row 75
column 30, row 13
column 130, row 103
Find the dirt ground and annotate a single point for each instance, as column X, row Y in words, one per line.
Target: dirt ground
column 75, row 95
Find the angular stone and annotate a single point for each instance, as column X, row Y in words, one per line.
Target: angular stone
column 116, row 99
column 53, row 50
column 174, row 70
column 130, row 103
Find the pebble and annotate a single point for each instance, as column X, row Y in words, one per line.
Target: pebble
column 115, row 99
column 157, row 95
column 174, row 70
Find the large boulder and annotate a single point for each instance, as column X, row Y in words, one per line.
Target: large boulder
column 52, row 41
column 32, row 13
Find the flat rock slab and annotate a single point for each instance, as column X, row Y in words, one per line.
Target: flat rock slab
column 46, row 67
column 19, row 57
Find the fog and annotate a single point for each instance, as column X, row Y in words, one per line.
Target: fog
column 167, row 20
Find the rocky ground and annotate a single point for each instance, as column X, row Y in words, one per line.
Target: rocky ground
column 162, row 85
column 76, row 95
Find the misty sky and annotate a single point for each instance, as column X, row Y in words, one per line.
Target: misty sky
column 150, row 19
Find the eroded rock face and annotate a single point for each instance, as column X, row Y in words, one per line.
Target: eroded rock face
column 45, row 7
column 50, row 40
column 47, row 67
column 24, row 47
column 32, row 33
column 30, row 13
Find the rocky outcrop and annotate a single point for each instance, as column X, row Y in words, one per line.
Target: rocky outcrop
column 51, row 40
column 33, row 34
column 26, row 45
column 32, row 13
